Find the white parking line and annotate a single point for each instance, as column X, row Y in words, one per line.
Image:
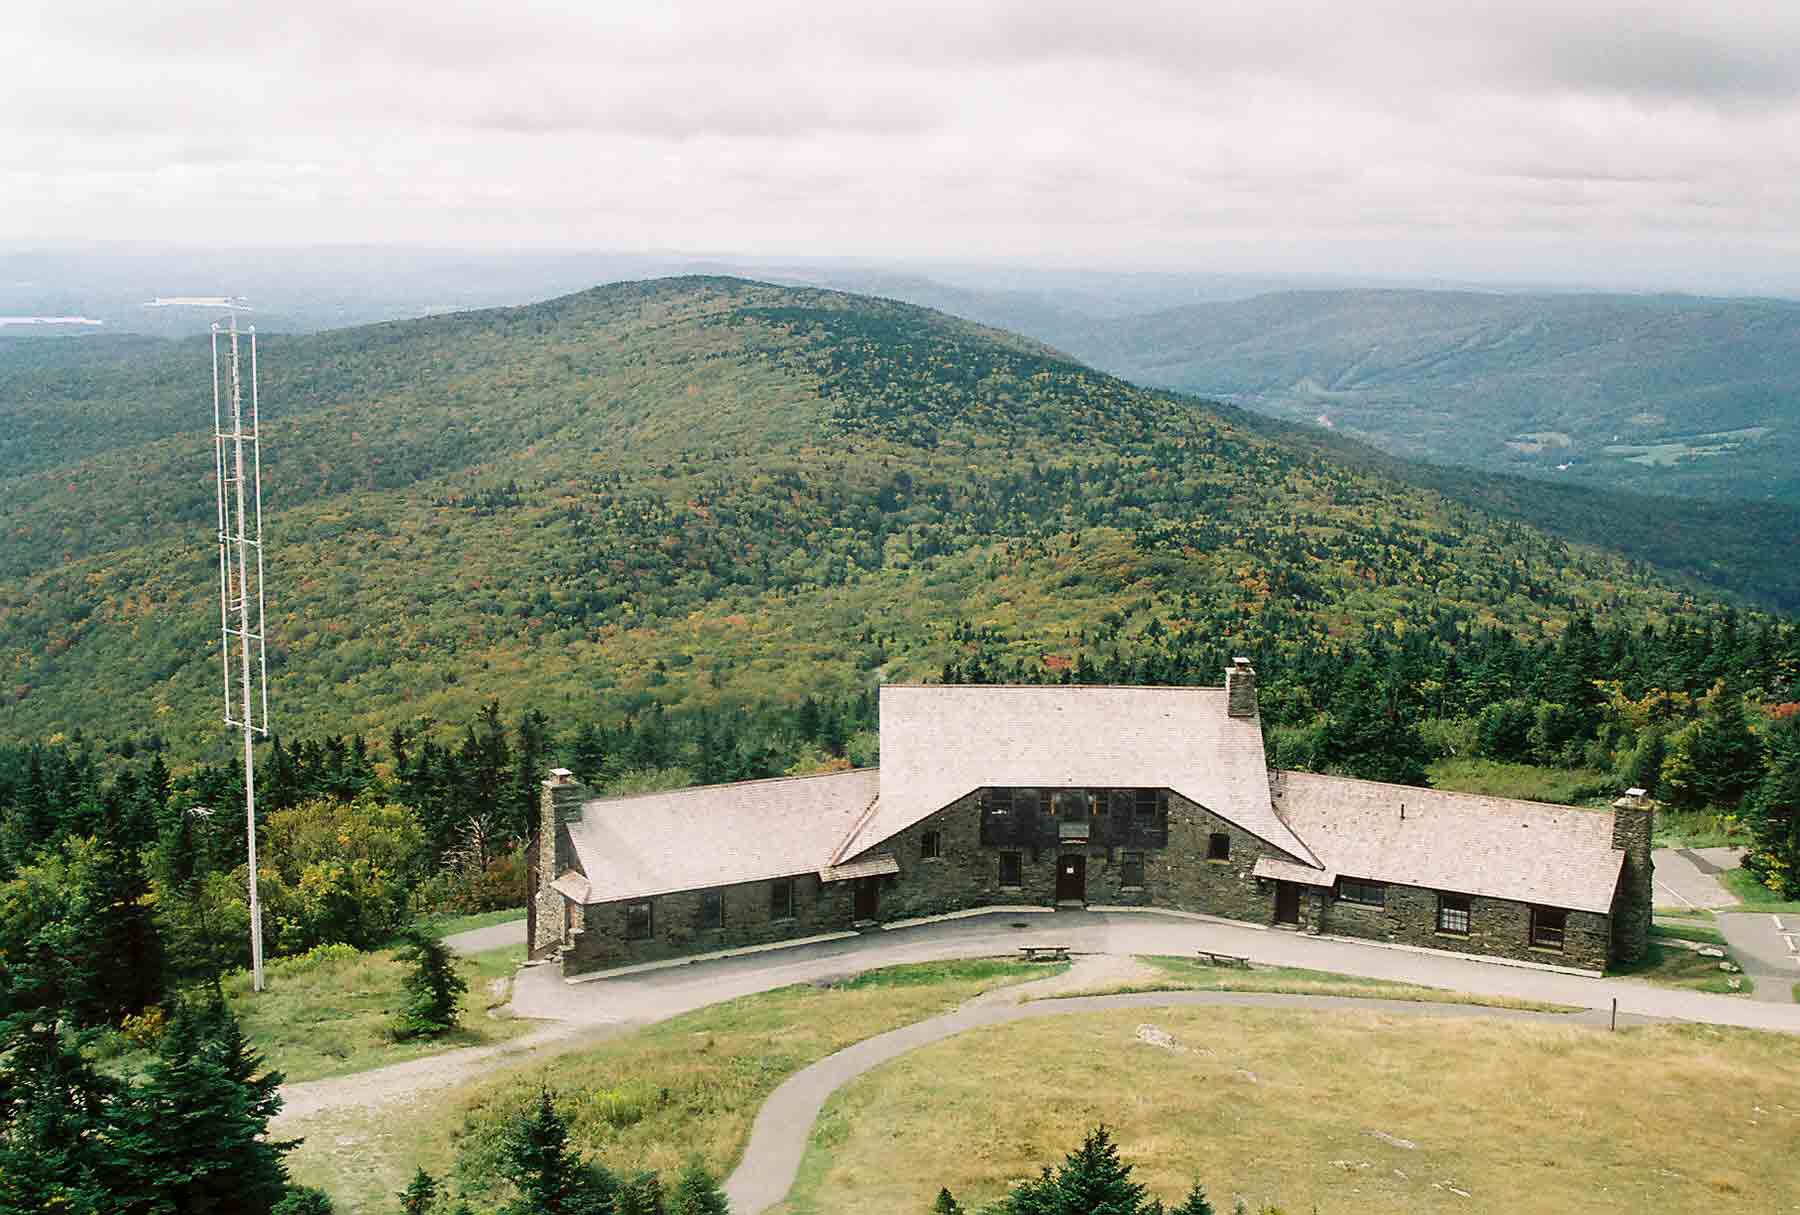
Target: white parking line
column 1779, row 926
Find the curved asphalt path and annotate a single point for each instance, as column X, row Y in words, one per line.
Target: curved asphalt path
column 778, row 1138
column 586, row 1012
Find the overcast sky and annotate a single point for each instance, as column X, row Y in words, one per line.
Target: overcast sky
column 1527, row 138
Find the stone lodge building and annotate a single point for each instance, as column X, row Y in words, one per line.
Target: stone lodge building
column 1084, row 796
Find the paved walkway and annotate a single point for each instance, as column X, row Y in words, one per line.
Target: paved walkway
column 591, row 1011
column 494, row 936
column 1688, row 877
column 1768, row 948
column 652, row 996
column 778, row 1138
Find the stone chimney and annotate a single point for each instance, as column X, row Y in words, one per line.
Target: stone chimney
column 558, row 805
column 1240, row 688
column 1634, row 825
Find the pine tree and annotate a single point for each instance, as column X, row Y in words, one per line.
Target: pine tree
column 1727, row 758
column 946, row 1203
column 1091, row 1180
column 641, row 1195
column 1368, row 733
column 549, row 1175
column 697, row 1192
column 1196, row 1203
column 420, row 1193
column 195, row 1132
column 1773, row 813
column 434, row 989
column 304, row 1200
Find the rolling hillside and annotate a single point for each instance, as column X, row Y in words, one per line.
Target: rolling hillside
column 697, row 491
column 1652, row 394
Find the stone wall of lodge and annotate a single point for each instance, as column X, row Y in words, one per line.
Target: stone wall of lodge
column 965, row 875
column 677, row 926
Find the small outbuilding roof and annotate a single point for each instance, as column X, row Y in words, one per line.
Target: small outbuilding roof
column 648, row 844
column 1530, row 852
column 939, row 743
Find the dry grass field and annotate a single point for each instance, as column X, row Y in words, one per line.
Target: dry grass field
column 1189, row 974
column 1343, row 1112
column 643, row 1100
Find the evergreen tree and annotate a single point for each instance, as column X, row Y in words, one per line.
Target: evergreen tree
column 54, row 1150
column 1727, row 756
column 434, row 989
column 420, row 1193
column 549, row 1175
column 193, row 1137
column 1642, row 768
column 640, row 1195
column 1368, row 733
column 304, row 1200
column 1773, row 813
column 1195, row 1204
column 946, row 1203
column 1091, row 1180
column 697, row 1192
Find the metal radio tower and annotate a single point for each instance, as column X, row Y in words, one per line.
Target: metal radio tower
column 237, row 465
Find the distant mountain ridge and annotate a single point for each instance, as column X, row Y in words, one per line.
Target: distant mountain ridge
column 707, row 491
column 1655, row 394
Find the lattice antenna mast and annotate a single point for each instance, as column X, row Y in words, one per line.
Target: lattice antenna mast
column 237, row 465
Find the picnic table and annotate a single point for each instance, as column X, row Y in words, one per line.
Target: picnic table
column 1223, row 959
column 1045, row 953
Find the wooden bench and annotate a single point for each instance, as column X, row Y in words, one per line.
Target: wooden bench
column 1045, row 953
column 1223, row 959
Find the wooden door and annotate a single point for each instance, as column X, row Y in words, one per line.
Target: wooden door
column 868, row 897
column 1287, row 902
column 1071, row 878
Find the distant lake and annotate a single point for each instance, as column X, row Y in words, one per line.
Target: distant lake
column 48, row 320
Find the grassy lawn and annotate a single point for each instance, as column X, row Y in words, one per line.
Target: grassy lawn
column 329, row 1016
column 1682, row 913
column 1188, row 974
column 1678, row 829
column 1756, row 896
column 449, row 925
column 1703, row 933
column 642, row 1100
column 1329, row 1112
column 1673, row 966
column 1566, row 786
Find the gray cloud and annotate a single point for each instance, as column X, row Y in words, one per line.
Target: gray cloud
column 1161, row 132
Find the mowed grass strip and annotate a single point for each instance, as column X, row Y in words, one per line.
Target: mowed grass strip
column 1676, row 966
column 1756, row 896
column 643, row 1100
column 1189, row 974
column 1334, row 1112
column 328, row 1013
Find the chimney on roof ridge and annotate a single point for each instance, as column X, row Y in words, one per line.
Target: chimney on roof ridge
column 1240, row 688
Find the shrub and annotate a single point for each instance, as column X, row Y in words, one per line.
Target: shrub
column 145, row 1029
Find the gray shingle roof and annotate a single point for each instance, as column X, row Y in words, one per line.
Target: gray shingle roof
column 1531, row 852
column 939, row 743
column 691, row 839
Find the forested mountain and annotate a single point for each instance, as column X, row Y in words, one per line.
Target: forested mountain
column 1656, row 394
column 713, row 492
